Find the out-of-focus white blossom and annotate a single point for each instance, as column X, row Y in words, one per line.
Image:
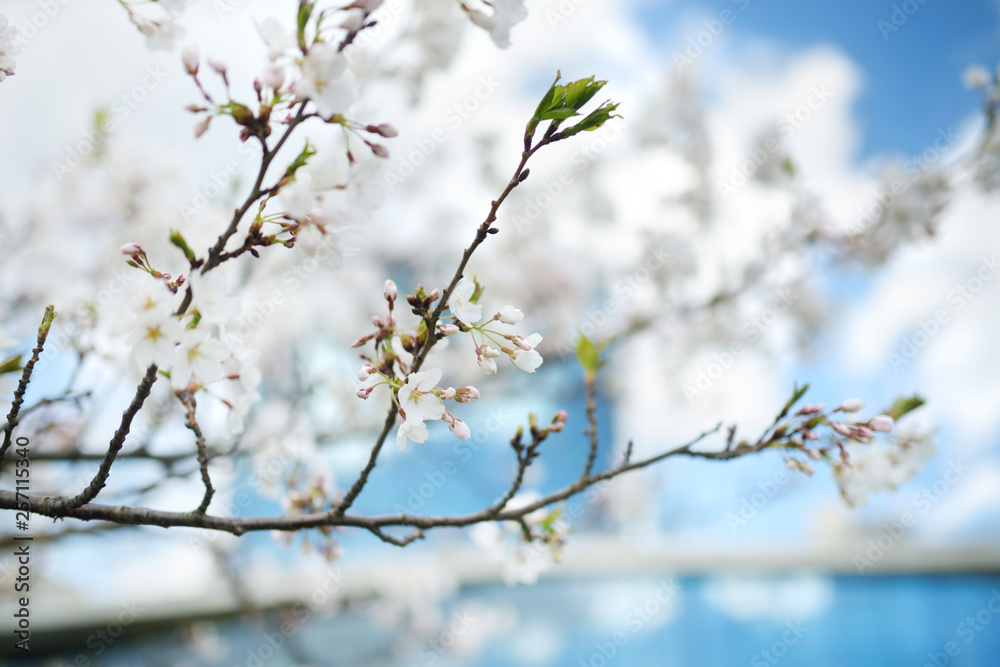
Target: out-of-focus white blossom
column 275, row 36
column 8, row 49
column 327, row 81
column 161, row 35
column 976, row 77
column 506, row 14
column 211, row 297
column 199, row 356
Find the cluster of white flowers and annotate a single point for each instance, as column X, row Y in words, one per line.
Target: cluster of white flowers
column 503, row 542
column 521, row 350
column 418, row 397
column 8, row 49
column 191, row 353
column 882, row 466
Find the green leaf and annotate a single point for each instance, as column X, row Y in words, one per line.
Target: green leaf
column 178, row 240
column 796, row 395
column 300, row 161
column 589, row 356
column 12, row 365
column 305, row 11
column 478, row 292
column 593, row 121
column 904, row 405
column 562, row 102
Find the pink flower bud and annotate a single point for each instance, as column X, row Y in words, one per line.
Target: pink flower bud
column 851, row 405
column 202, row 127
column 435, row 294
column 861, row 433
column 520, row 342
column 814, row 454
column 811, row 409
column 448, row 329
column 390, row 291
column 189, row 55
column 217, row 65
column 364, row 393
column 489, row 352
column 377, row 321
column 840, row 428
column 883, row 423
column 274, row 76
column 460, row 429
column 448, row 394
column 383, row 130
column 365, row 371
column 131, row 249
column 380, row 151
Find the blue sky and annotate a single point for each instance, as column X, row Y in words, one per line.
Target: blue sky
column 912, row 82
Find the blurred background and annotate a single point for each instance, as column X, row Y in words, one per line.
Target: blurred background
column 811, row 181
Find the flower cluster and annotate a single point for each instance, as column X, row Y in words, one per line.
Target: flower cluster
column 504, row 542
column 519, row 349
column 416, row 393
column 8, row 49
column 183, row 346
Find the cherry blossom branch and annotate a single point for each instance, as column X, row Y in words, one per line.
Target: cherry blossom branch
column 101, row 478
column 22, row 386
column 187, row 398
column 53, row 506
column 345, row 504
column 520, row 173
column 591, row 429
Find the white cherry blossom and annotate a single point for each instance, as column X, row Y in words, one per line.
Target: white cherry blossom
column 418, row 403
column 467, row 312
column 199, row 356
column 327, row 81
column 275, row 36
column 528, row 360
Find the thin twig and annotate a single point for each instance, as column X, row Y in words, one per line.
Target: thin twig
column 101, row 478
column 22, row 386
column 187, row 398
